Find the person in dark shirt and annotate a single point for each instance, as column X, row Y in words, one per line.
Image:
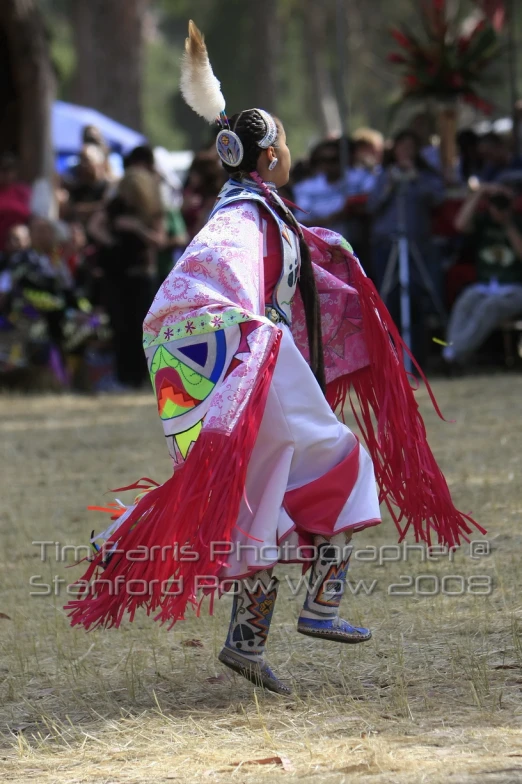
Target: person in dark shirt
column 496, row 235
column 130, row 231
column 87, row 187
column 401, row 205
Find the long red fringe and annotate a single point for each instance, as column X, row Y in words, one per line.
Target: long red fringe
column 410, row 481
column 164, row 546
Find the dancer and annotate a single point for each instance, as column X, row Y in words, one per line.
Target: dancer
column 255, row 337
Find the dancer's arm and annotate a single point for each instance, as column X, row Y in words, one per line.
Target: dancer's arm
column 464, row 219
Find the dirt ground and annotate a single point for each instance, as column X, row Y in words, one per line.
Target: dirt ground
column 435, row 696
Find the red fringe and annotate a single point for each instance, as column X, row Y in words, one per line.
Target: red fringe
column 407, row 473
column 196, row 507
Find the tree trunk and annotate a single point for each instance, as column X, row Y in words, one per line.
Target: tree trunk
column 109, row 43
column 265, row 43
column 28, row 87
column 323, row 96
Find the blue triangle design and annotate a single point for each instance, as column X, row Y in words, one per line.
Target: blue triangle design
column 197, row 352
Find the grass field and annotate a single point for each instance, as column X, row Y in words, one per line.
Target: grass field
column 435, row 696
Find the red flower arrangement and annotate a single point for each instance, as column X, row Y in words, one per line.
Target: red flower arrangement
column 446, row 64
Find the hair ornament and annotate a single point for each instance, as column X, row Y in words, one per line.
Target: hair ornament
column 199, row 87
column 271, row 130
column 229, row 147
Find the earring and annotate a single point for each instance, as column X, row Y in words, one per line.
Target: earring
column 273, row 163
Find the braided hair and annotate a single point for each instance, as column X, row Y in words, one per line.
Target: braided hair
column 251, row 129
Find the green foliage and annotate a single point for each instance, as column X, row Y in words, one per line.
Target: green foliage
column 63, row 57
column 161, row 79
column 371, row 84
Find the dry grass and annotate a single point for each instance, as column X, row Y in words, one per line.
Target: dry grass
column 435, row 696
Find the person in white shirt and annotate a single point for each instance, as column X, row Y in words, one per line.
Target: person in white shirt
column 324, row 195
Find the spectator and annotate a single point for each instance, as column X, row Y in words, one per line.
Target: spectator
column 424, row 128
column 130, row 231
column 401, row 204
column 176, row 237
column 324, row 194
column 43, row 268
column 87, row 187
column 365, row 159
column 42, row 281
column 112, row 166
column 205, row 178
column 15, row 197
column 496, row 155
column 74, row 246
column 92, row 135
column 470, row 161
column 496, row 234
column 367, row 150
column 18, row 240
column 141, row 157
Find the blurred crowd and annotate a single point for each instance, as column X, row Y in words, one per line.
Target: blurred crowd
column 75, row 288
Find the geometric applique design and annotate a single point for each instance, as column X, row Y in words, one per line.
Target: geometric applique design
column 261, row 609
column 327, row 580
column 192, row 327
column 185, row 375
column 331, row 588
column 197, row 352
column 185, row 372
column 188, row 437
column 246, row 329
column 252, row 613
column 177, row 386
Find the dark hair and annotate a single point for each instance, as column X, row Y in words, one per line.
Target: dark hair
column 142, row 155
column 8, row 161
column 420, row 161
column 467, row 136
column 251, row 129
column 492, row 138
column 319, row 150
column 470, row 159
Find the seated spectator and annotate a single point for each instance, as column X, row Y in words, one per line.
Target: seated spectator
column 496, row 234
column 18, row 239
column 43, row 274
column 15, row 197
column 87, row 185
column 401, row 203
column 41, row 291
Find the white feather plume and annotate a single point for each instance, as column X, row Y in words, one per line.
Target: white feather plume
column 199, row 87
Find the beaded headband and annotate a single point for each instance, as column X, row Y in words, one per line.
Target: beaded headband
column 271, row 130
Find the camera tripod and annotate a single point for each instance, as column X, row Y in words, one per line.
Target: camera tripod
column 398, row 268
